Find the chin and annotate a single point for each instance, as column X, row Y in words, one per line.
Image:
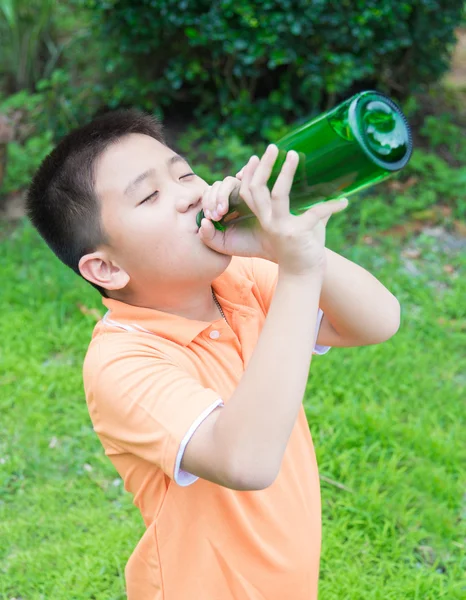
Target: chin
column 223, row 260
column 217, row 264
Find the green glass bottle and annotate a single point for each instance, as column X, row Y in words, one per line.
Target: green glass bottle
column 357, row 144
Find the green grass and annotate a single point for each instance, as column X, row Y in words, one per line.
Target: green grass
column 387, row 421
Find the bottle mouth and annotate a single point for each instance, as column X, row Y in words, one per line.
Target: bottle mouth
column 382, row 130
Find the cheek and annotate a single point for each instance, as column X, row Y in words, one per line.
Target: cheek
column 157, row 247
column 145, row 242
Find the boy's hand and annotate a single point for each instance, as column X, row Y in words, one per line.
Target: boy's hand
column 236, row 240
column 296, row 243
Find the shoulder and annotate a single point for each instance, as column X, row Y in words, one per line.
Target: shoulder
column 113, row 355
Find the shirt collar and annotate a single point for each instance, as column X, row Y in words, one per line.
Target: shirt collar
column 231, row 288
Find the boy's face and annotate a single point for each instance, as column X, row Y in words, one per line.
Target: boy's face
column 149, row 201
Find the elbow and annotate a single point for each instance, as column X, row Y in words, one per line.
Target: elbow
column 252, row 480
column 392, row 320
column 396, row 318
column 251, row 485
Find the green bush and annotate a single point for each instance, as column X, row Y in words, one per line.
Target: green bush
column 39, row 119
column 253, row 64
column 24, row 159
column 217, row 158
column 49, row 63
column 34, row 35
column 27, row 47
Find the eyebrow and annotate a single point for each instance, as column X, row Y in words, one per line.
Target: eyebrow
column 140, row 178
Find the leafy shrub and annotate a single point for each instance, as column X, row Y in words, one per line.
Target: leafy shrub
column 24, row 159
column 250, row 63
column 36, row 119
column 214, row 159
column 445, row 136
column 29, row 48
column 49, row 64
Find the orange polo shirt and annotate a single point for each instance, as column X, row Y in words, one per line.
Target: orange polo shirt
column 150, row 379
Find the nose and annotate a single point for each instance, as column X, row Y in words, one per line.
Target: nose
column 187, row 199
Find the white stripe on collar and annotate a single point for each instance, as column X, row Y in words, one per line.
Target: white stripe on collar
column 133, row 327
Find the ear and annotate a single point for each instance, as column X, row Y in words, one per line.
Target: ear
column 98, row 268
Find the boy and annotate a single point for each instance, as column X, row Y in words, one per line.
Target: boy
column 195, row 377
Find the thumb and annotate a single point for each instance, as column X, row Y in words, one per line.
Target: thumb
column 212, row 237
column 324, row 210
column 324, row 221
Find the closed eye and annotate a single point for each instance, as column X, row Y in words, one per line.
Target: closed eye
column 153, row 195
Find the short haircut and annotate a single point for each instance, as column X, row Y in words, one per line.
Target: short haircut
column 61, row 201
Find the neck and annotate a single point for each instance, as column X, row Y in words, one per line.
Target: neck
column 198, row 306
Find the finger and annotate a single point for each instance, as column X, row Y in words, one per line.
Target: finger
column 325, row 219
column 239, row 175
column 206, row 230
column 264, row 169
column 227, row 186
column 323, row 210
column 211, row 199
column 212, row 237
column 244, row 191
column 205, row 201
column 281, row 190
column 258, row 185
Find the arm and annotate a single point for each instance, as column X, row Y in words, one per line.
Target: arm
column 358, row 309
column 249, row 435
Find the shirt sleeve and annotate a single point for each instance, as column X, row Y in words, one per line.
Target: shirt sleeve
column 144, row 404
column 265, row 274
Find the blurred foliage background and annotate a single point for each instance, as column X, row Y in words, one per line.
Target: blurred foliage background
column 227, row 78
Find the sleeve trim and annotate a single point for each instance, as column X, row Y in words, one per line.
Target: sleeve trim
column 181, row 477
column 319, row 349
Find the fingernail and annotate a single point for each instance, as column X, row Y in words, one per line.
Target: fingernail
column 207, row 213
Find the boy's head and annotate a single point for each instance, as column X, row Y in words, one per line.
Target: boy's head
column 119, row 207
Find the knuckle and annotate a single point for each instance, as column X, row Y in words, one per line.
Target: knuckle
column 244, row 194
column 276, row 228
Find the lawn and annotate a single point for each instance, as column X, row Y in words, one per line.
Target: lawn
column 388, row 423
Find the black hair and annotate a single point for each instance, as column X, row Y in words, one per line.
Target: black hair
column 61, row 201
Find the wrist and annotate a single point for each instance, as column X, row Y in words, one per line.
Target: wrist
column 312, row 277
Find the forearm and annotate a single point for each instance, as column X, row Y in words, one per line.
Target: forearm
column 355, row 303
column 255, row 425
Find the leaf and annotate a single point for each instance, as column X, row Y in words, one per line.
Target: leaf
column 191, row 32
column 8, row 10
